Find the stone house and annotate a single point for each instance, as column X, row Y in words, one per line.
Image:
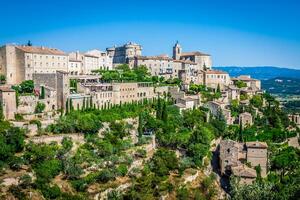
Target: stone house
column 245, row 119
column 121, row 54
column 19, row 63
column 233, row 157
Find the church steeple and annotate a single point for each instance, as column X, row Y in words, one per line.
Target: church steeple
column 177, row 51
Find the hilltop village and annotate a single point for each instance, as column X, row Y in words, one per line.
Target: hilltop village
column 116, row 124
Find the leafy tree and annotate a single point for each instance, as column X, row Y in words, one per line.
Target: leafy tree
column 257, row 101
column 255, row 191
column 163, row 161
column 240, row 84
column 25, row 87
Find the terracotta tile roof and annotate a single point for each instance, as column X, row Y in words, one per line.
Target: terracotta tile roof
column 244, row 171
column 257, row 145
column 186, row 62
column 243, row 78
column 194, row 53
column 215, row 72
column 41, row 50
column 153, row 58
column 6, row 89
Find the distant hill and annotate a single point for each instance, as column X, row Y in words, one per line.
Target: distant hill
column 282, row 85
column 261, row 73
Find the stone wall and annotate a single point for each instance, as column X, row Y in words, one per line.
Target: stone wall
column 27, row 104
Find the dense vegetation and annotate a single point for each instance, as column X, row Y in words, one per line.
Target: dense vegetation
column 123, row 73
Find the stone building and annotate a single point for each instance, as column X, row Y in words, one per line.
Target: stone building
column 295, row 118
column 156, row 65
column 203, row 60
column 108, row 94
column 121, row 54
column 252, row 83
column 8, row 102
column 218, row 108
column 233, row 157
column 59, row 82
column 188, row 102
column 257, row 155
column 86, row 63
column 245, row 119
column 19, row 63
column 213, row 78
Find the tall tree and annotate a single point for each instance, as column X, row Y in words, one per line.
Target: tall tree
column 164, row 114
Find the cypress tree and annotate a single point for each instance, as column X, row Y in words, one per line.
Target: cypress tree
column 218, row 89
column 1, row 111
column 83, row 104
column 71, row 105
column 164, row 114
column 91, row 102
column 140, row 127
column 87, row 104
column 159, row 109
column 67, row 106
column 42, row 93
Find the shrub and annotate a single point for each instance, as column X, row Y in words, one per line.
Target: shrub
column 19, row 117
column 40, row 107
column 122, row 170
column 37, row 122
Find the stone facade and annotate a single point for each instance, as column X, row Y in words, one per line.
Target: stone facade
column 8, row 102
column 27, row 104
column 108, row 94
column 245, row 119
column 19, row 63
column 58, row 82
column 213, row 78
column 121, row 54
column 86, row 63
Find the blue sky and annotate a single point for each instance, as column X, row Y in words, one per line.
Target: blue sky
column 234, row 32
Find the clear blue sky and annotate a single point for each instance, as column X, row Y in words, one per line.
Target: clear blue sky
column 234, row 32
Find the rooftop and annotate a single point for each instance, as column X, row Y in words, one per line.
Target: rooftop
column 6, row 89
column 215, row 72
column 244, row 171
column 194, row 53
column 41, row 50
column 256, row 145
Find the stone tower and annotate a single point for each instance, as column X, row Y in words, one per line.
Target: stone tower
column 177, row 51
